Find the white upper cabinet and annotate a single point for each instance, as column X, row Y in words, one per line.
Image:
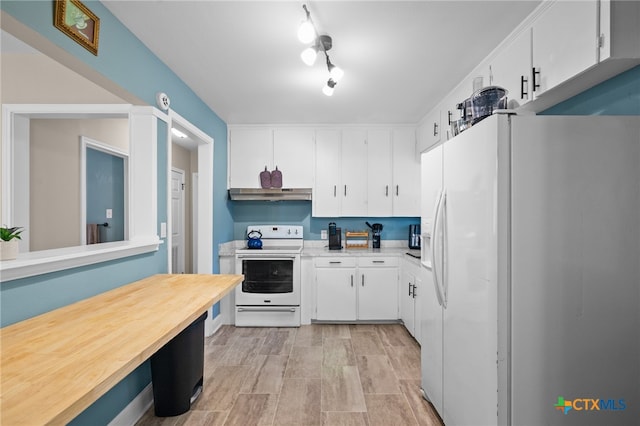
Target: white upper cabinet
column 564, row 43
column 328, row 183
column 379, row 173
column 406, row 173
column 293, row 152
column 511, row 69
column 354, row 172
column 250, row 150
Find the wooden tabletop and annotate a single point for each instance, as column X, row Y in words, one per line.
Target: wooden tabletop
column 55, row 365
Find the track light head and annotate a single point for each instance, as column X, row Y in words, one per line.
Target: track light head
column 328, row 89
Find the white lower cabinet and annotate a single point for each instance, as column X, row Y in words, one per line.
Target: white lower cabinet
column 350, row 288
column 410, row 290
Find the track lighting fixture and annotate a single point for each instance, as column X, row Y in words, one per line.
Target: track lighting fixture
column 307, row 33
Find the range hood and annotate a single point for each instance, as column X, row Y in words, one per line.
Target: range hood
column 280, row 194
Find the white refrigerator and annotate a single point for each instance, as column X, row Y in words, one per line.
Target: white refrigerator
column 532, row 253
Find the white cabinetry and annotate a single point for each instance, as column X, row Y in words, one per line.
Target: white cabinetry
column 379, row 173
column 251, row 149
column 326, row 198
column 354, row 171
column 406, row 173
column 336, row 289
column 378, row 288
column 511, row 69
column 364, row 289
column 564, row 43
column 410, row 289
column 429, row 131
column 370, row 173
column 293, row 156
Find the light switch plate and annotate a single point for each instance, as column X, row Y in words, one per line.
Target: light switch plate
column 323, row 234
column 109, row 213
column 163, row 230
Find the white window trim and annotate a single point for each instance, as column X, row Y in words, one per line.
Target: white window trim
column 142, row 194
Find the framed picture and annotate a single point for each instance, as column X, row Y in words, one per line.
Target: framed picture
column 76, row 20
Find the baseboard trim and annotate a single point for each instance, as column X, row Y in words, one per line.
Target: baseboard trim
column 136, row 408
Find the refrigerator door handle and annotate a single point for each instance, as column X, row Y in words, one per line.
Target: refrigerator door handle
column 443, row 228
column 435, row 249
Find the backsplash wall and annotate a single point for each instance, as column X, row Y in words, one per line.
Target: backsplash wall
column 247, row 213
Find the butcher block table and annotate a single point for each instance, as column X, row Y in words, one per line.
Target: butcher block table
column 55, row 365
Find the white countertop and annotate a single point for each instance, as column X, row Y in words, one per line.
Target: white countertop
column 317, row 248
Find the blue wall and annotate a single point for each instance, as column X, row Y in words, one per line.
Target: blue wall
column 126, row 61
column 619, row 95
column 105, row 190
column 247, row 213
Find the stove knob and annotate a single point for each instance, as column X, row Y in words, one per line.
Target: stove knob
column 289, row 231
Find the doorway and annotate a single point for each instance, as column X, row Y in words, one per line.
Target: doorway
column 178, row 225
column 198, row 196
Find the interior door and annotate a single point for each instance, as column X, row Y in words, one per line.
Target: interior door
column 177, row 221
column 470, row 284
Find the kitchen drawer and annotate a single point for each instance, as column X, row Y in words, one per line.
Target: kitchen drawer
column 377, row 261
column 335, row 262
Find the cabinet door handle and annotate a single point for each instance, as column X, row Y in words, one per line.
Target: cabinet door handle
column 397, row 190
column 435, row 129
column 351, row 280
column 449, row 115
column 409, row 289
column 523, row 80
column 345, row 190
column 386, row 191
column 414, row 291
column 362, row 280
column 533, row 75
column 334, row 191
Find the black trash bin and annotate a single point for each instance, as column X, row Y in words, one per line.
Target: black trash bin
column 176, row 371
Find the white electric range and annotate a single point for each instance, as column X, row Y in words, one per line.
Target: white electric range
column 269, row 296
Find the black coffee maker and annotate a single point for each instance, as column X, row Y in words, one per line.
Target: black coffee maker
column 376, row 229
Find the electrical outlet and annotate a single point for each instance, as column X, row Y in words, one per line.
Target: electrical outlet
column 323, row 234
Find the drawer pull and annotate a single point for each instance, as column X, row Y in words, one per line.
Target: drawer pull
column 333, row 262
column 378, row 261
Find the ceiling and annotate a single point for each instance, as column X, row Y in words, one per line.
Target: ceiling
column 242, row 58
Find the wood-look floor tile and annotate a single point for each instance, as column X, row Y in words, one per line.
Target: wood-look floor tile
column 338, row 418
column 221, row 388
column 205, row 418
column 395, row 335
column 405, row 361
column 362, row 327
column 338, row 352
column 242, row 351
column 309, row 335
column 341, row 389
column 367, row 343
column 252, row 409
column 278, row 342
column 305, row 362
column 266, row 374
column 299, row 403
column 376, row 374
column 423, row 411
column 385, row 410
column 336, row 331
column 225, row 335
column 252, row 331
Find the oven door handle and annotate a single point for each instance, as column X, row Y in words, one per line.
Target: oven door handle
column 266, row 309
column 265, row 257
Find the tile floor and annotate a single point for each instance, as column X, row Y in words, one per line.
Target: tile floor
column 318, row 374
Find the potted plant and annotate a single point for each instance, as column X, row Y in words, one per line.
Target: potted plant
column 9, row 242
